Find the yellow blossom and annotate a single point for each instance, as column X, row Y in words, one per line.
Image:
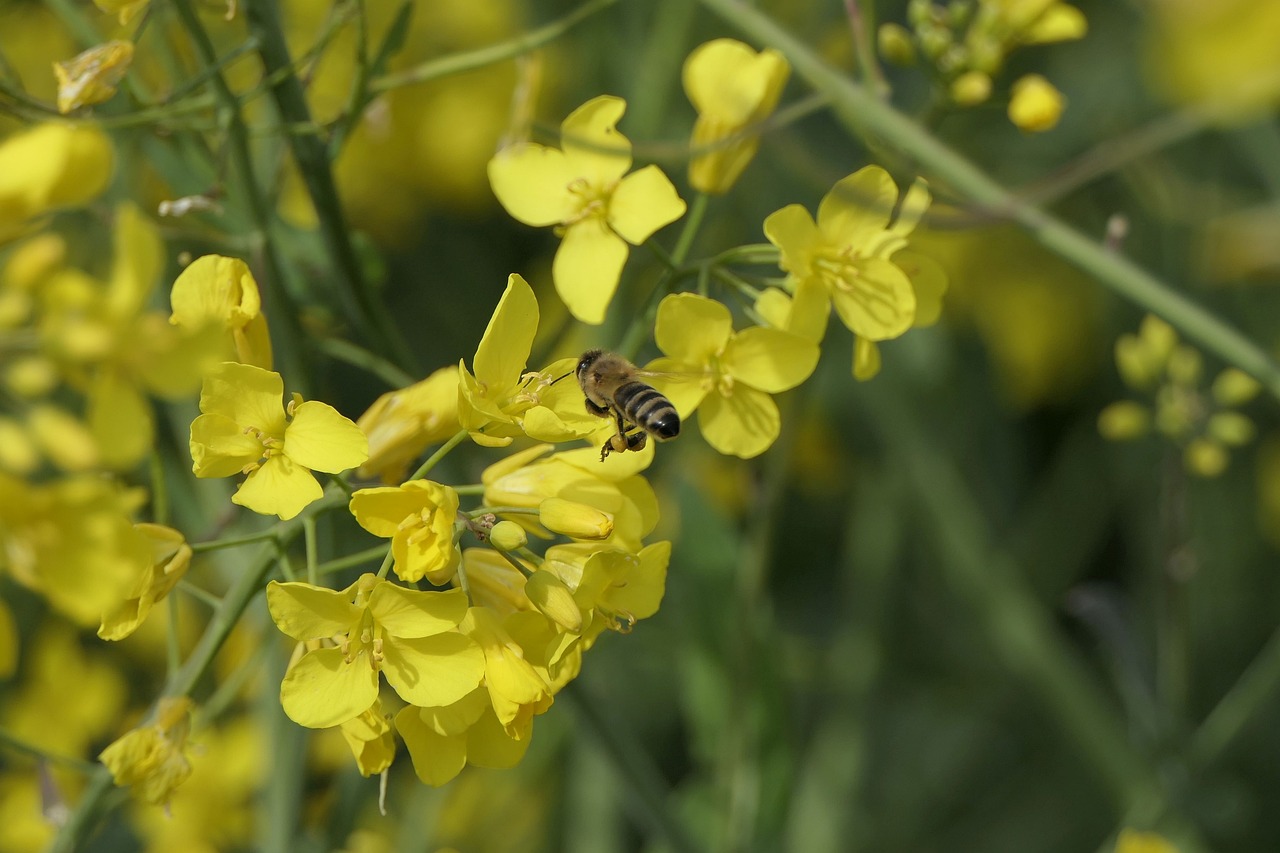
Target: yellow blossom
column 401, row 424
column 372, row 627
column 584, row 189
column 418, row 517
column 371, row 740
column 50, row 166
column 846, row 258
column 170, row 557
column 734, row 89
column 501, row 401
column 125, row 10
column 91, row 77
column 245, row 428
column 728, row 375
column 152, row 759
column 218, row 290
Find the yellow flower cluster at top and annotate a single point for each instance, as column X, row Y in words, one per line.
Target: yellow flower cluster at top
column 966, row 42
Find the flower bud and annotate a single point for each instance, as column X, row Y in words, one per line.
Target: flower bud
column 553, row 599
column 1124, row 421
column 896, row 45
column 1231, row 428
column 971, row 88
column 1035, row 105
column 573, row 519
column 507, row 536
column 1205, row 457
column 1234, row 387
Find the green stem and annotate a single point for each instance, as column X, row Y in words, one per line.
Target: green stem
column 868, row 116
column 201, row 595
column 360, row 557
column 13, row 744
column 247, row 585
column 693, row 222
column 310, row 154
column 864, row 45
column 309, row 541
column 499, row 510
column 1239, row 706
column 388, row 372
column 233, row 542
column 467, row 61
column 434, row 459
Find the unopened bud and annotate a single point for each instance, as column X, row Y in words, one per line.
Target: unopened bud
column 1205, row 457
column 1124, row 421
column 1036, row 105
column 573, row 519
column 553, row 600
column 507, row 536
column 971, row 88
column 896, row 45
column 1234, row 387
column 1231, row 428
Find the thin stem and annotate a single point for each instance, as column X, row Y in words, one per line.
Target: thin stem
column 388, row 372
column 499, row 510
column 866, row 115
column 1238, row 707
column 311, row 155
column 469, row 60
column 234, row 541
column 693, row 222
column 865, row 48
column 386, row 564
column 173, row 648
column 15, row 745
column 434, row 459
column 330, row 566
column 470, row 489
column 309, row 542
column 201, row 595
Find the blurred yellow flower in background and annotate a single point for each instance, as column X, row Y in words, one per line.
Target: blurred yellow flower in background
column 152, row 759
column 49, row 166
column 91, row 77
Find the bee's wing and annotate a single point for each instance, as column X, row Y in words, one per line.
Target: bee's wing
column 684, row 388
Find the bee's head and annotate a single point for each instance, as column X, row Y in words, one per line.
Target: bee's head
column 584, row 364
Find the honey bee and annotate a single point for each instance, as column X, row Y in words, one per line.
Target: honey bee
column 612, row 389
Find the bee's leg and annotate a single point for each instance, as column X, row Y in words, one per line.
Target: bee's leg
column 619, row 443
column 598, row 411
column 636, row 440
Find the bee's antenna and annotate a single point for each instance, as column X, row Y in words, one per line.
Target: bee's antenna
column 557, row 379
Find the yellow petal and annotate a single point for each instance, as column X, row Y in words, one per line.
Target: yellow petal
column 592, row 144
column 321, row 439
column 879, row 304
column 52, row 165
column 250, row 396
column 126, row 10
column 322, row 689
column 435, row 670
column 858, row 207
column 532, row 182
column 794, row 232
column 770, row 360
column 137, row 258
column 67, row 441
column 220, row 447
column 692, row 329
column 279, row 487
column 727, row 79
column 215, row 288
column 91, row 77
column 643, row 202
column 587, row 268
column 744, row 424
column 866, row 359
column 413, row 614
column 307, row 612
column 504, row 347
column 437, row 759
column 490, row 744
column 1059, row 22
column 120, row 419
column 928, row 280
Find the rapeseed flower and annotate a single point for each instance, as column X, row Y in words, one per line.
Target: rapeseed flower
column 418, row 517
column 401, row 424
column 245, row 428
column 218, row 290
column 50, row 166
column 373, row 626
column 91, row 77
column 584, row 190
column 152, row 759
column 170, row 557
column 728, row 375
column 501, row 401
column 733, row 88
column 1035, row 104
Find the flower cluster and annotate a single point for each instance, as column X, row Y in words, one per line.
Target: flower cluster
column 1201, row 420
column 967, row 45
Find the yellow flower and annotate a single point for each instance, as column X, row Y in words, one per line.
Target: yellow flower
column 730, row 375
column 409, row 636
column 170, row 557
column 733, row 88
column 1035, row 105
column 402, row 423
column 152, row 759
column 443, row 740
column 582, row 190
column 50, row 166
column 126, row 10
column 846, row 259
column 418, row 517
column 73, row 542
column 612, row 588
column 91, row 77
column 245, row 428
column 215, row 289
column 371, row 739
column 502, row 401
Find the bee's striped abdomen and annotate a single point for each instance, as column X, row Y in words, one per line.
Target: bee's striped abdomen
column 645, row 407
